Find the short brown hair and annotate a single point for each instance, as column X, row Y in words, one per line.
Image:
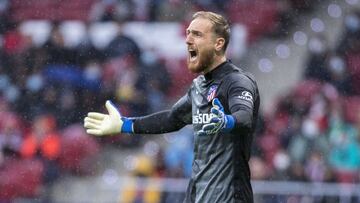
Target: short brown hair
column 221, row 26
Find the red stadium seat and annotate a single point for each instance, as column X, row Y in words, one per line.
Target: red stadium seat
column 353, row 62
column 181, row 75
column 346, row 176
column 307, row 89
column 259, row 16
column 50, row 10
column 269, row 144
column 20, row 178
column 352, row 109
column 303, row 93
column 78, row 150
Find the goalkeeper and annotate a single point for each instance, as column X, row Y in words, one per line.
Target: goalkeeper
column 222, row 105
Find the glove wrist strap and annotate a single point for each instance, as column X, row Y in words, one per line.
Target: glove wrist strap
column 230, row 123
column 127, row 126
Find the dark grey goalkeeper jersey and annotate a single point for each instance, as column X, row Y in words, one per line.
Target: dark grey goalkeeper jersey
column 220, row 170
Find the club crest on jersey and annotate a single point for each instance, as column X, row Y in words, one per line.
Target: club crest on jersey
column 211, row 93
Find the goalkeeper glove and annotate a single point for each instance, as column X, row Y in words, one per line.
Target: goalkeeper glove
column 107, row 124
column 219, row 120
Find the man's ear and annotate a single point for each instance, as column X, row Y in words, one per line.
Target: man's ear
column 219, row 44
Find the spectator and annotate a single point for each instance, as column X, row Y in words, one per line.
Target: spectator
column 315, row 168
column 350, row 33
column 122, row 45
column 315, row 65
column 157, row 86
column 287, row 17
column 10, row 137
column 4, row 20
column 57, row 52
column 344, row 156
column 349, row 47
column 87, row 52
column 338, row 74
column 146, row 193
column 112, row 10
column 14, row 41
column 43, row 142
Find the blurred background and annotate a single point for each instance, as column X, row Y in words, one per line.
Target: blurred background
column 62, row 59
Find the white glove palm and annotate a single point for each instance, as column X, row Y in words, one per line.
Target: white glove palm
column 104, row 124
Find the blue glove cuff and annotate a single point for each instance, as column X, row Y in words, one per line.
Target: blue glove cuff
column 127, row 126
column 230, row 123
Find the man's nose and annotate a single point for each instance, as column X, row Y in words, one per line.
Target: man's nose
column 189, row 40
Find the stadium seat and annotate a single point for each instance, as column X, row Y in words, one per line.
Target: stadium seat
column 270, row 144
column 50, row 10
column 20, row 178
column 180, row 74
column 352, row 109
column 259, row 16
column 353, row 61
column 78, row 151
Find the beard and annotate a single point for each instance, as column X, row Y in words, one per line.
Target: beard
column 204, row 60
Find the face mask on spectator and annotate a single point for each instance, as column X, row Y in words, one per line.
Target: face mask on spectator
column 310, row 129
column 281, row 161
column 337, row 65
column 92, row 72
column 4, row 82
column 149, row 58
column 34, row 83
column 12, row 93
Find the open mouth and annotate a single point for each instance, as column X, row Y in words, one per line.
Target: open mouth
column 193, row 55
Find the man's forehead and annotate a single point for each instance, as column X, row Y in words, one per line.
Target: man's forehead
column 200, row 24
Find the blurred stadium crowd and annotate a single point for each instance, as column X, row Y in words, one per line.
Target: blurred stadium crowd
column 45, row 92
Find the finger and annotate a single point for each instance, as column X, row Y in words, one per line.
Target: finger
column 91, row 125
column 97, row 116
column 214, row 120
column 94, row 132
column 93, row 121
column 215, row 111
column 208, row 127
column 201, row 133
column 217, row 104
column 111, row 108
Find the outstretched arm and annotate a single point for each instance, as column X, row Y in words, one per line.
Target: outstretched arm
column 165, row 121
column 161, row 122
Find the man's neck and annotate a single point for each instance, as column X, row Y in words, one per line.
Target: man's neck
column 216, row 63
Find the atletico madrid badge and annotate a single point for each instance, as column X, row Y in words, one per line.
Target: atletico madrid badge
column 211, row 93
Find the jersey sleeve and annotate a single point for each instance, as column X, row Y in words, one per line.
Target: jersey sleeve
column 242, row 97
column 165, row 121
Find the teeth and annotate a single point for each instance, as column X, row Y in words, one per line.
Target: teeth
column 192, row 54
column 193, row 58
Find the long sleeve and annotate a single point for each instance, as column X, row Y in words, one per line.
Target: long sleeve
column 165, row 121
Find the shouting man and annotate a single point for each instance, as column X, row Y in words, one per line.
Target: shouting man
column 222, row 105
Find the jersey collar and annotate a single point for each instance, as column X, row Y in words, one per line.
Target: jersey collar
column 218, row 71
